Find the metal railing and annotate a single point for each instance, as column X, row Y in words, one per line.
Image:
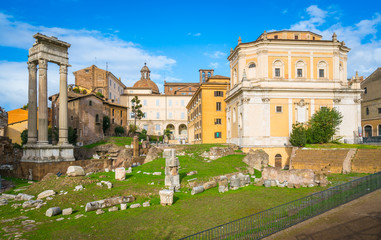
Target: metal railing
column 275, row 219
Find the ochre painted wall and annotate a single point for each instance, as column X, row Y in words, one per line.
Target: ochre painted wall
column 279, row 121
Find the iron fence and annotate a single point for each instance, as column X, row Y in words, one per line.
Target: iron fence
column 275, row 219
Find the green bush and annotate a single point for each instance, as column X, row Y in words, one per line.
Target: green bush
column 106, row 124
column 298, row 136
column 119, row 130
column 72, row 136
column 143, row 135
column 100, row 95
column 132, row 129
column 24, row 137
column 76, row 90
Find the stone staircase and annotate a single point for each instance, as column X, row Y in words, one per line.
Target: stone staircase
column 367, row 161
column 326, row 160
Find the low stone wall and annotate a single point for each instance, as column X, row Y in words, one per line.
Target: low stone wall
column 37, row 171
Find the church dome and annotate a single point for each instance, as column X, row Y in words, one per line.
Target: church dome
column 145, row 80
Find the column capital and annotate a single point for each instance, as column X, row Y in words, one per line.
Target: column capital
column 32, row 66
column 43, row 64
column 63, row 69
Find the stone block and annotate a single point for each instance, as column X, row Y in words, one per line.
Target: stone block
column 123, row 206
column 198, row 189
column 146, row 204
column 46, row 193
column 166, row 197
column 113, row 209
column 67, row 211
column 74, row 171
column 136, row 205
column 120, row 173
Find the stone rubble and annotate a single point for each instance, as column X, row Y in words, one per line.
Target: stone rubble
column 74, row 171
column 113, row 209
column 24, row 197
column 120, row 174
column 32, row 203
column 123, row 206
column 146, row 204
column 99, row 211
column 46, row 193
column 109, row 202
column 198, row 189
column 78, row 188
column 136, row 205
column 107, row 183
column 156, row 173
column 172, row 177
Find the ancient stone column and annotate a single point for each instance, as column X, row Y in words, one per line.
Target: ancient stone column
column 32, row 103
column 42, row 102
column 63, row 128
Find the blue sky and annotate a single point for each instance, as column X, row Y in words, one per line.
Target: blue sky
column 175, row 38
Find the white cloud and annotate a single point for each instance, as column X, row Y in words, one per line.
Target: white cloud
column 194, row 34
column 214, row 65
column 216, row 54
column 361, row 37
column 124, row 59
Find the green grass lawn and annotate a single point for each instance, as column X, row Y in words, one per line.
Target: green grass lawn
column 189, row 213
column 342, row 145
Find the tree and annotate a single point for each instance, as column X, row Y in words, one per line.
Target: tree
column 323, row 124
column 167, row 132
column 106, row 124
column 136, row 109
column 119, row 130
column 25, row 107
column 320, row 129
column 143, row 135
column 298, row 136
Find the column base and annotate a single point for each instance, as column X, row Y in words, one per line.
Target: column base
column 45, row 153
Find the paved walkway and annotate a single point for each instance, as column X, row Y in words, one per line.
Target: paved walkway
column 358, row 219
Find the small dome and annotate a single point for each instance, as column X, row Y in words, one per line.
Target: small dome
column 145, row 80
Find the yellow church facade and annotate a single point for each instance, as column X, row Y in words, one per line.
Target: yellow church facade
column 282, row 78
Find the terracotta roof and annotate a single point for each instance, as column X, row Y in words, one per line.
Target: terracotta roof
column 17, row 115
column 146, row 83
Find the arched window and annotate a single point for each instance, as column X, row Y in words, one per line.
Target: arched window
column 96, row 118
column 368, row 131
column 300, row 69
column 278, row 70
column 322, row 69
column 209, row 74
column 278, row 160
column 252, row 70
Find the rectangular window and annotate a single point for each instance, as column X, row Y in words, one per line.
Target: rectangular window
column 182, row 103
column 278, row 109
column 296, row 37
column 170, row 103
column 217, row 135
column 379, row 110
column 132, row 115
column 145, row 115
column 183, row 93
column 146, row 127
column 190, row 89
column 157, row 127
column 170, row 115
column 121, row 122
column 217, row 121
column 365, row 90
column 218, row 93
column 299, row 72
column 121, row 113
column 157, row 102
column 277, row 72
column 218, row 106
column 182, row 115
column 157, row 115
column 113, row 121
column 275, row 36
column 110, row 96
column 321, row 73
column 145, row 102
column 113, row 112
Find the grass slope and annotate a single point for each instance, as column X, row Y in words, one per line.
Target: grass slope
column 188, row 215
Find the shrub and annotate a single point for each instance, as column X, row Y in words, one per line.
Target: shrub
column 72, row 136
column 106, row 124
column 119, row 130
column 24, row 137
column 143, row 135
column 100, row 95
column 76, row 90
column 132, row 129
column 298, row 135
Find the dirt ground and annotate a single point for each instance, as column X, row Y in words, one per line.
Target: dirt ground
column 358, row 219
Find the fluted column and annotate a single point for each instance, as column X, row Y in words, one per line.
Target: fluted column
column 42, row 102
column 32, row 103
column 63, row 129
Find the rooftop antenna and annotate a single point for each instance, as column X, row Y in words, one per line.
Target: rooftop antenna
column 95, row 60
column 106, row 66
